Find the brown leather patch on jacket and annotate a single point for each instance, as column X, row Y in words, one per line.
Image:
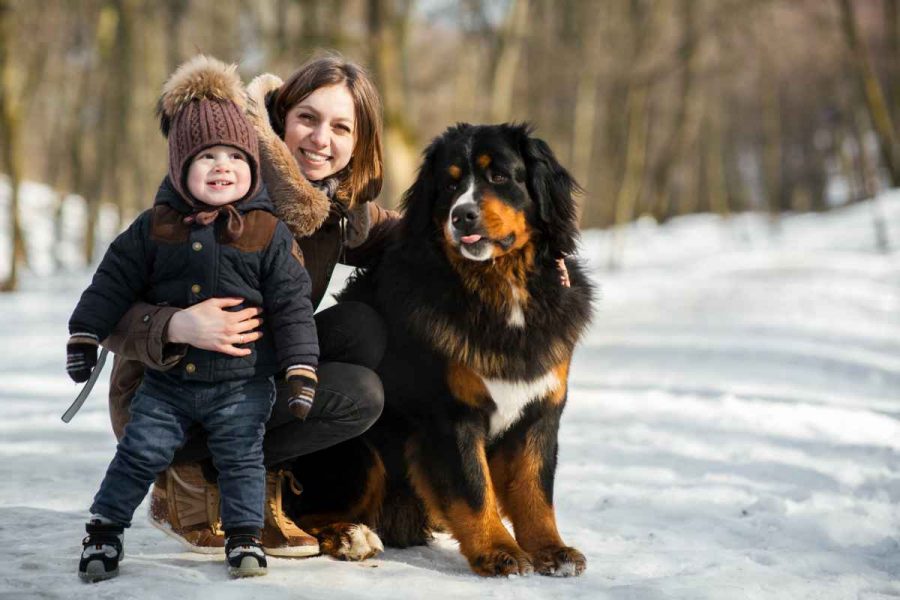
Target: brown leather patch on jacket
column 167, row 225
column 259, row 228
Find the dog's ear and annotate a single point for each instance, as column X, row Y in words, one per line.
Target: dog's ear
column 417, row 203
column 552, row 187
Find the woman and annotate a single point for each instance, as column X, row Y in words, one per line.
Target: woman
column 320, row 146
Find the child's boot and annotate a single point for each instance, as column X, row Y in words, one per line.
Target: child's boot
column 103, row 548
column 245, row 556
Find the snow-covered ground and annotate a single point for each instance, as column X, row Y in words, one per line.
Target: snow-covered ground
column 732, row 432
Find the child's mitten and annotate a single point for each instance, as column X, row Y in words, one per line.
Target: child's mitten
column 81, row 356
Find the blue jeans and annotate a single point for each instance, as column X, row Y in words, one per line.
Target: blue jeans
column 233, row 414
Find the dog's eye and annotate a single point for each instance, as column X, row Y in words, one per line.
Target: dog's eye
column 498, row 178
column 452, row 186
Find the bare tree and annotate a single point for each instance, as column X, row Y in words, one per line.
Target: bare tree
column 19, row 80
column 387, row 27
column 872, row 91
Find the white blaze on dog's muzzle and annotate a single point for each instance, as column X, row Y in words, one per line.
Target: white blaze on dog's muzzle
column 464, row 223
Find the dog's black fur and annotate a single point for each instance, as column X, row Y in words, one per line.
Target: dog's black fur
column 463, row 312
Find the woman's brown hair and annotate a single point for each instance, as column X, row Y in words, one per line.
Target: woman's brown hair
column 366, row 163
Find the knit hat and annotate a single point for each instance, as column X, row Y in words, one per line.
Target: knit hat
column 202, row 105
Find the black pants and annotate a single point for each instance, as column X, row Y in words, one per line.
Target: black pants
column 349, row 396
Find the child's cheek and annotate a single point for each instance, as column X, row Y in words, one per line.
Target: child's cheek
column 195, row 182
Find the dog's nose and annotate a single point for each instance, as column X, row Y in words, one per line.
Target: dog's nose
column 465, row 217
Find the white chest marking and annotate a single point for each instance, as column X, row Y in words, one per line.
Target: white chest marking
column 516, row 315
column 511, row 396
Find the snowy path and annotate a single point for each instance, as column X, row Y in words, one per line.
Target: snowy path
column 733, row 431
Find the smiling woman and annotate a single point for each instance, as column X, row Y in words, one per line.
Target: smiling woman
column 329, row 115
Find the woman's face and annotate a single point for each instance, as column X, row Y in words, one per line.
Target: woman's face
column 320, row 131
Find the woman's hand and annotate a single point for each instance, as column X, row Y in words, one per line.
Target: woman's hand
column 207, row 325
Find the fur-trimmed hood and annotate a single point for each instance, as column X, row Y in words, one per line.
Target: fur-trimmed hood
column 300, row 205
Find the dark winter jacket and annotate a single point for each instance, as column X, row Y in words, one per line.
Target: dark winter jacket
column 163, row 261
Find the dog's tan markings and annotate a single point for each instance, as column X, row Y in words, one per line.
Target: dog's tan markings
column 502, row 220
column 453, row 342
column 516, row 478
column 454, row 171
column 562, row 374
column 466, row 385
column 482, row 537
column 483, row 161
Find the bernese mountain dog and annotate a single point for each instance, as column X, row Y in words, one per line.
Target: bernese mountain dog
column 484, row 305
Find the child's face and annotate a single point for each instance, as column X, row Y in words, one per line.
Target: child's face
column 219, row 175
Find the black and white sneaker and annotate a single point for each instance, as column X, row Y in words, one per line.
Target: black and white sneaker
column 103, row 548
column 245, row 556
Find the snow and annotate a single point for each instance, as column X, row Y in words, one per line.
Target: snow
column 732, row 432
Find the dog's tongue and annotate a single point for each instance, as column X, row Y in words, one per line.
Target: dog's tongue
column 470, row 239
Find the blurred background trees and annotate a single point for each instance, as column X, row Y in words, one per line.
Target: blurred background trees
column 659, row 107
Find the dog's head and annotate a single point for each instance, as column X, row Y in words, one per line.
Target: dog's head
column 485, row 191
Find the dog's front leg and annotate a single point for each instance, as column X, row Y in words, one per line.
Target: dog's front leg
column 523, row 467
column 449, row 471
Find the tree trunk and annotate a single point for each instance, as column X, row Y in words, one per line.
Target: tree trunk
column 94, row 179
column 892, row 34
column 872, row 92
column 175, row 11
column 385, row 30
column 715, row 166
column 771, row 127
column 11, row 141
column 585, row 118
column 672, row 148
column 637, row 113
column 503, row 78
column 632, row 181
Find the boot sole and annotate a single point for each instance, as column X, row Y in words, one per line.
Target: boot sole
column 91, row 576
column 293, row 551
column 208, row 550
column 249, row 568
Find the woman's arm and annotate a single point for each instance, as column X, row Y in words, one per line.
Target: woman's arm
column 158, row 336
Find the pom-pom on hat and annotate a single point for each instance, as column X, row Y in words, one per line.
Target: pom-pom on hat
column 202, row 105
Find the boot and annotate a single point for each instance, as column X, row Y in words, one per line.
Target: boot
column 185, row 506
column 280, row 535
column 102, row 550
column 244, row 556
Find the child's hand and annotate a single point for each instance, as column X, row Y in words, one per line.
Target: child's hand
column 302, row 384
column 81, row 356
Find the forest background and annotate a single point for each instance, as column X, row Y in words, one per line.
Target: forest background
column 658, row 107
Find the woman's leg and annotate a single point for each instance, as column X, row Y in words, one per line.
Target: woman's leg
column 351, row 332
column 349, row 399
column 349, row 396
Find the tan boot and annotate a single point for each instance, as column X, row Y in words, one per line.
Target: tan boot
column 185, row 506
column 280, row 535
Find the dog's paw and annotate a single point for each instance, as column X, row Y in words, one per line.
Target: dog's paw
column 559, row 561
column 502, row 561
column 349, row 541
